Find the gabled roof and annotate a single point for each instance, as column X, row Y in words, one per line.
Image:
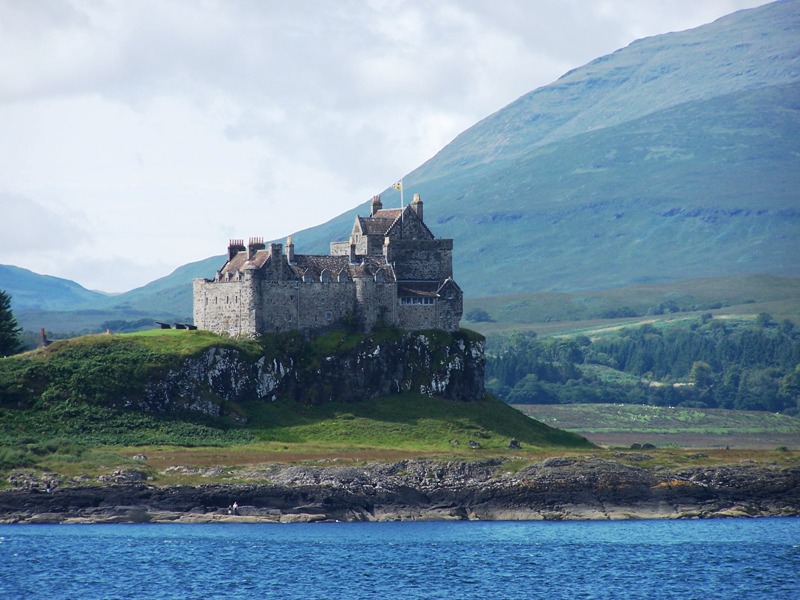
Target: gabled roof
column 375, row 225
column 385, row 221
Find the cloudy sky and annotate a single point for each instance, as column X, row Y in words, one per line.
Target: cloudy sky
column 138, row 136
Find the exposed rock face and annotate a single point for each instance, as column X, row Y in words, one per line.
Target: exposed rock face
column 554, row 489
column 449, row 365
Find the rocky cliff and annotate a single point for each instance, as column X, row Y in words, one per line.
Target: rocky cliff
column 434, row 363
column 589, row 487
column 203, row 372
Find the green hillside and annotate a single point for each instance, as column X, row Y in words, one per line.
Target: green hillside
column 746, row 294
column 70, row 397
column 30, row 290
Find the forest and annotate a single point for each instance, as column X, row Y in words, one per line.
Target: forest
column 708, row 363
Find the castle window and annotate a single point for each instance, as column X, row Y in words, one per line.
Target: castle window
column 328, row 316
column 325, row 277
column 416, row 301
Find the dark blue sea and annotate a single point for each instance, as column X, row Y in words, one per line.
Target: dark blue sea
column 731, row 558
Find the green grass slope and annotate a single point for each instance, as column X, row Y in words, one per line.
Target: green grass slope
column 76, row 381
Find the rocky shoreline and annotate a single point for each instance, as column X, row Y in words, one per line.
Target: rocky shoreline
column 560, row 488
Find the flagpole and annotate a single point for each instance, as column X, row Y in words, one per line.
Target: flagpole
column 402, row 207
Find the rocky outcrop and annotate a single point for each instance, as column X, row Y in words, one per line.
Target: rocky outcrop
column 435, row 363
column 554, row 489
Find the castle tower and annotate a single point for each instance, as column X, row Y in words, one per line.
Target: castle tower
column 376, row 205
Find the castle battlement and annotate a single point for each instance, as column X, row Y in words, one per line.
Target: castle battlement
column 391, row 270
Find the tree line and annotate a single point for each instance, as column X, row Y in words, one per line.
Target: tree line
column 713, row 363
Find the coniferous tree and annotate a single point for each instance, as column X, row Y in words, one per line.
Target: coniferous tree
column 9, row 330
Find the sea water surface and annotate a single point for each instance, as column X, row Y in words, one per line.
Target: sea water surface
column 731, row 558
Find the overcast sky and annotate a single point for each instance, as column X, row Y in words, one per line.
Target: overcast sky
column 137, row 136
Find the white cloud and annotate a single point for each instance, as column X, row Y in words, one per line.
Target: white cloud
column 139, row 136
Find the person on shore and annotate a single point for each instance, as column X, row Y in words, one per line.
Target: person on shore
column 235, row 508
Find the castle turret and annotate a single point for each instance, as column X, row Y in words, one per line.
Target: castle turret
column 416, row 206
column 376, row 205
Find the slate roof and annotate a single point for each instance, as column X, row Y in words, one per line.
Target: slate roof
column 375, row 225
column 424, row 288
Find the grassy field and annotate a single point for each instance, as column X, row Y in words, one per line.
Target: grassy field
column 620, row 425
column 551, row 313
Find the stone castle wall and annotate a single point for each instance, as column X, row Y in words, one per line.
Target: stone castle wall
column 443, row 314
column 226, row 306
column 422, row 259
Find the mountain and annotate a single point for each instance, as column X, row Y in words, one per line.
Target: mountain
column 30, row 290
column 677, row 157
column 673, row 158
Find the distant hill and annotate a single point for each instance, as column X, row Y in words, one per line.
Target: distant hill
column 30, row 290
column 673, row 158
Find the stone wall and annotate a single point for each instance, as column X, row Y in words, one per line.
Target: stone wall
column 422, row 259
column 226, row 306
column 296, row 305
column 376, row 302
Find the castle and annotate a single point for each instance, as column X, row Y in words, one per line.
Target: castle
column 391, row 271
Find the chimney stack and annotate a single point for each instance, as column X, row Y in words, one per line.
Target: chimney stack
column 352, row 250
column 376, row 205
column 416, row 206
column 253, row 246
column 234, row 247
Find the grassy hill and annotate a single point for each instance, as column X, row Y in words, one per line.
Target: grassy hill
column 77, row 383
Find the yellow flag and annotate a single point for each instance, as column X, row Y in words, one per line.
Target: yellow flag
column 398, row 185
